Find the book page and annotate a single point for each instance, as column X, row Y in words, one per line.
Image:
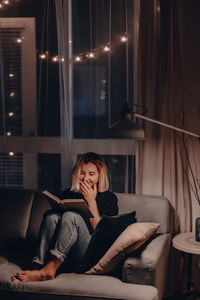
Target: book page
column 48, row 194
column 79, row 205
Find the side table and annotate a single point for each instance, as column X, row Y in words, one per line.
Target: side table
column 185, row 242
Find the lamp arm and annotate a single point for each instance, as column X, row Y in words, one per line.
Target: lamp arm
column 165, row 125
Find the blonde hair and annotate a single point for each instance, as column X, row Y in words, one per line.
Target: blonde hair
column 98, row 161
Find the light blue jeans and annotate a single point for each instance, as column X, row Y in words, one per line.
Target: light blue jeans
column 64, row 235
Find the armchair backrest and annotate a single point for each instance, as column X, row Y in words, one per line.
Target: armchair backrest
column 15, row 211
column 21, row 212
column 148, row 209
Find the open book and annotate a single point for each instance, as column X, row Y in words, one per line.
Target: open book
column 69, row 204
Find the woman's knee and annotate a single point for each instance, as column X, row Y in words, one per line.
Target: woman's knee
column 71, row 216
column 51, row 218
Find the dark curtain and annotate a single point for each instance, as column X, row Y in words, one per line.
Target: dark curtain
column 168, row 162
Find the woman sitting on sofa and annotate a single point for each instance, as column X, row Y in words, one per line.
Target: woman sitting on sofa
column 64, row 236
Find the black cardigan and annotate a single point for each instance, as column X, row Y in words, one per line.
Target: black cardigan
column 106, row 203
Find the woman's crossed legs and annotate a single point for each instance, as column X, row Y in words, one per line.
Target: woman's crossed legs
column 60, row 234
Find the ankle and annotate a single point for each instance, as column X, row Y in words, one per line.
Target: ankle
column 50, row 269
column 54, row 264
column 47, row 274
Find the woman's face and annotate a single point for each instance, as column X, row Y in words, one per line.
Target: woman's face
column 89, row 173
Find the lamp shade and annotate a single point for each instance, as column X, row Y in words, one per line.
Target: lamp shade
column 125, row 128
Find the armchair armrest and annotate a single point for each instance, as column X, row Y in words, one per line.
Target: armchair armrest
column 150, row 267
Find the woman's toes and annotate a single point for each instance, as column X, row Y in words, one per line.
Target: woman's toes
column 21, row 277
column 15, row 278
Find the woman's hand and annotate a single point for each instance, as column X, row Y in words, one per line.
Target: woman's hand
column 90, row 194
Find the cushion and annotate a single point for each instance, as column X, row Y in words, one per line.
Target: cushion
column 106, row 232
column 131, row 239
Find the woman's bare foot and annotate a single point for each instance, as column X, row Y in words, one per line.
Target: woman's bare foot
column 46, row 273
column 34, row 275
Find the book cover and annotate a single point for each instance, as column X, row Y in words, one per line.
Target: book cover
column 68, row 204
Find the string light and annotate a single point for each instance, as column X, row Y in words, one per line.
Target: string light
column 11, row 75
column 77, row 58
column 11, row 153
column 11, row 114
column 43, row 56
column 90, row 55
column 103, row 95
column 19, row 40
column 124, row 39
column 106, row 48
column 94, row 53
column 8, row 133
column 55, row 59
column 12, row 94
column 5, row 2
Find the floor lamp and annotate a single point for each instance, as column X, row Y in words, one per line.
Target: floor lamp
column 127, row 128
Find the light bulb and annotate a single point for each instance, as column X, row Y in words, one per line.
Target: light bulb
column 91, row 55
column 11, row 153
column 12, row 94
column 55, row 58
column 103, row 95
column 123, row 39
column 77, row 58
column 19, row 40
column 11, row 114
column 8, row 133
column 43, row 56
column 6, row 2
column 106, row 48
column 11, row 75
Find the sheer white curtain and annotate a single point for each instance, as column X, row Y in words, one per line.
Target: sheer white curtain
column 63, row 21
column 90, row 92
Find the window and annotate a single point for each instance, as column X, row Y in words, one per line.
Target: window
column 18, row 84
column 11, row 170
column 11, row 93
column 105, row 37
column 103, row 79
column 17, row 98
column 90, row 102
column 103, row 64
column 49, row 171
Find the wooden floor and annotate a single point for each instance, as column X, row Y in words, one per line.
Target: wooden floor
column 192, row 293
column 183, row 297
